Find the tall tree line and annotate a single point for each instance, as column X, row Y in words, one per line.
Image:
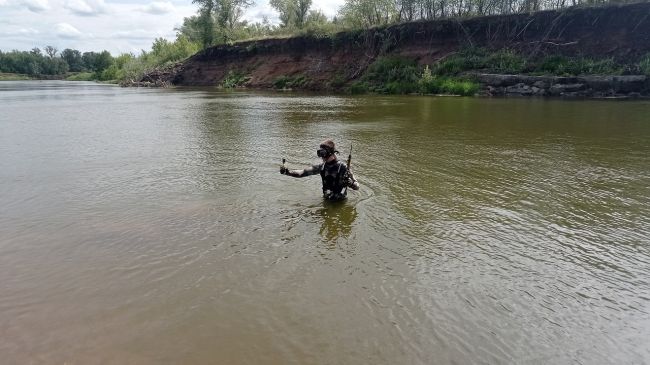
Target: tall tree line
column 49, row 62
column 366, row 13
column 219, row 21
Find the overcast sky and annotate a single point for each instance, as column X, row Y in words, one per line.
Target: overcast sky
column 115, row 25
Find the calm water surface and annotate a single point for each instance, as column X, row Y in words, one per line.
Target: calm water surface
column 153, row 227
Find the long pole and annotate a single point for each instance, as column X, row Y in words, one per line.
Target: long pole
column 345, row 192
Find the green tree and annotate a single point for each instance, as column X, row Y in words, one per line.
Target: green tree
column 301, row 8
column 97, row 62
column 229, row 13
column 292, row 13
column 88, row 59
column 285, row 9
column 206, row 21
column 368, row 13
column 51, row 51
column 73, row 58
column 164, row 51
column 316, row 18
column 103, row 61
column 191, row 29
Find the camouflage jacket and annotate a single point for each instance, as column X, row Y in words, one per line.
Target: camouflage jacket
column 334, row 175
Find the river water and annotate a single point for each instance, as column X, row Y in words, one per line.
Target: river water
column 148, row 226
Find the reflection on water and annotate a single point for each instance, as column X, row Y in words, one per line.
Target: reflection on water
column 152, row 227
column 337, row 220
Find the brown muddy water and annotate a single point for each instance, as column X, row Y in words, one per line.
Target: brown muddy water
column 153, row 227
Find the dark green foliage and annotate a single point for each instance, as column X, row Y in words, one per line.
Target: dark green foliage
column 234, row 79
column 560, row 65
column 358, row 88
column 500, row 61
column 466, row 59
column 289, row 82
column 32, row 63
column 392, row 75
column 338, row 81
column 349, row 37
column 73, row 58
column 508, row 61
column 450, row 87
column 644, row 65
column 97, row 61
column 505, row 61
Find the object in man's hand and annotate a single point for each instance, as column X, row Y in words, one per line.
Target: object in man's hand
column 352, row 182
column 284, row 170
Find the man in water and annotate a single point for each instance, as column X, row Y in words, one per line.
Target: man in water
column 335, row 174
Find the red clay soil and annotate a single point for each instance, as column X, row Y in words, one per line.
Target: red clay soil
column 621, row 32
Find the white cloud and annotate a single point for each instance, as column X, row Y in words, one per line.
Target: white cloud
column 65, row 30
column 85, row 7
column 258, row 12
column 22, row 32
column 128, row 29
column 158, row 8
column 36, row 6
column 135, row 34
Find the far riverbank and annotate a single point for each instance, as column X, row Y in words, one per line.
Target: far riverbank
column 583, row 52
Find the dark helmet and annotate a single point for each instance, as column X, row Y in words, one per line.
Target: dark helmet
column 327, row 148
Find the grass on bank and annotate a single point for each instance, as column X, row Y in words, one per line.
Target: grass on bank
column 13, row 77
column 644, row 65
column 396, row 75
column 290, row 82
column 508, row 61
column 234, row 79
column 399, row 75
column 81, row 76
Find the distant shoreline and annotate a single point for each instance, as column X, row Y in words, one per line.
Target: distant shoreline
column 71, row 76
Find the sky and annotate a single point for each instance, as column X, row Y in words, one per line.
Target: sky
column 119, row 26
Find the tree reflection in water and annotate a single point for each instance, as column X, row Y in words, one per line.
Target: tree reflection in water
column 337, row 219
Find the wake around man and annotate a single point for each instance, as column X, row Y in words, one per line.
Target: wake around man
column 334, row 173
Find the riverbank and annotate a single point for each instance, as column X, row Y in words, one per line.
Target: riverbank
column 607, row 41
column 625, row 86
column 13, row 77
column 71, row 76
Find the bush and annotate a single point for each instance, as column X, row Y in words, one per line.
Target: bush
column 134, row 69
column 234, row 79
column 392, row 69
column 465, row 59
column 644, row 65
column 358, row 88
column 560, row 65
column 502, row 61
column 430, row 84
column 459, row 87
column 288, row 82
column 400, row 87
column 393, row 75
column 337, row 81
column 505, row 61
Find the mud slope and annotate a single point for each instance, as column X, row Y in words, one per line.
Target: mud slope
column 621, row 32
